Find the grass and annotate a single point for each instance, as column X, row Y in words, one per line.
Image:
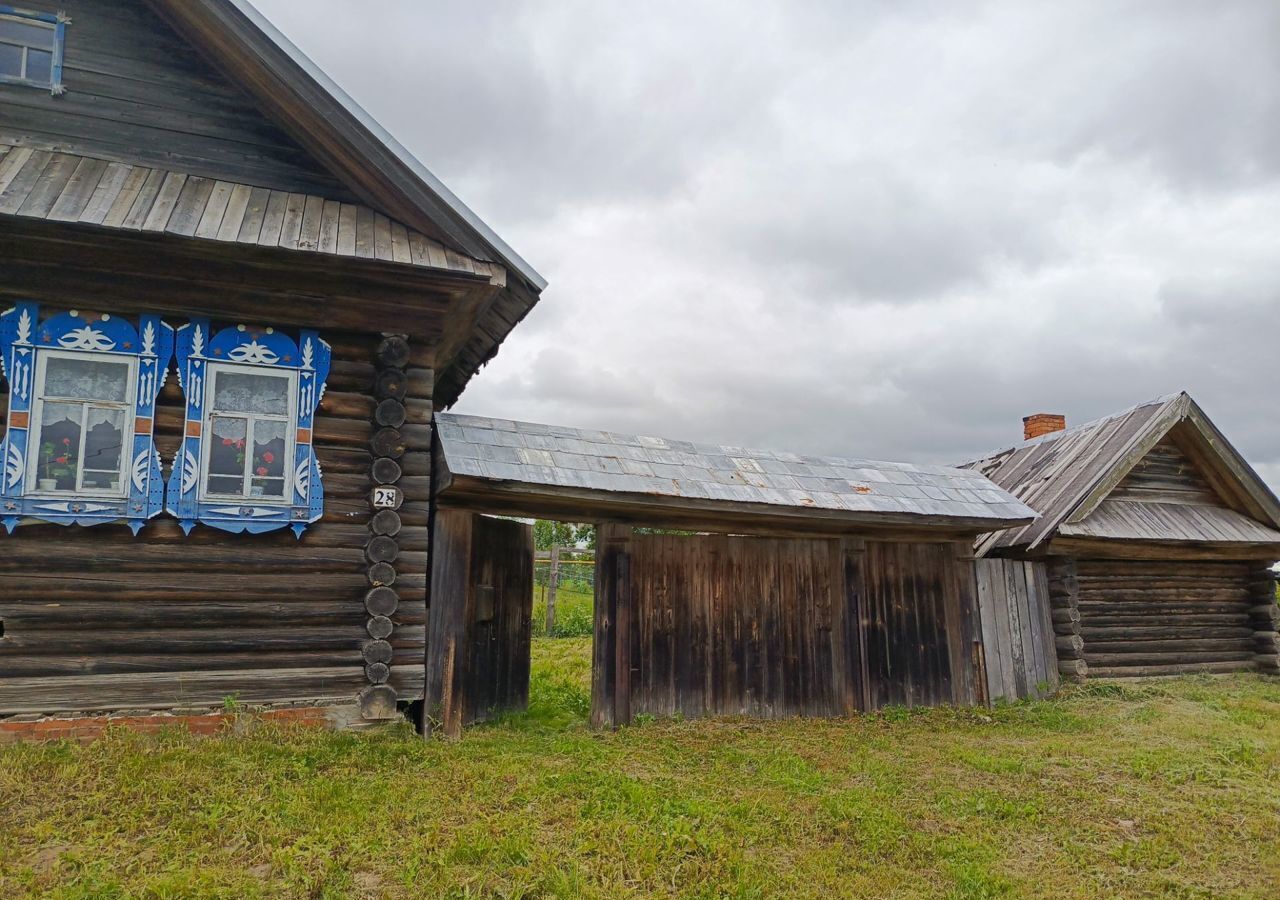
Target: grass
column 1162, row 789
column 574, row 606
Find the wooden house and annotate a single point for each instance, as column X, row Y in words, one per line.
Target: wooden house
column 776, row 584
column 1157, row 536
column 233, row 303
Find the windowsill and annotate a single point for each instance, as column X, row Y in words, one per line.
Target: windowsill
column 24, row 82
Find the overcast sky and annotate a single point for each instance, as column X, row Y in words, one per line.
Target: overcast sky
column 867, row 229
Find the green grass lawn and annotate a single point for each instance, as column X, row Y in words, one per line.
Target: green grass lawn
column 1170, row 788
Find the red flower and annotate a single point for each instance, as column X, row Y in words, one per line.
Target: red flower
column 227, row 442
column 240, row 445
column 262, row 470
column 66, row 442
column 268, row 457
column 61, row 460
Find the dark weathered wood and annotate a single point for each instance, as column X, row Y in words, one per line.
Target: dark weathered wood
column 478, row 659
column 382, row 549
column 376, row 652
column 379, row 627
column 393, row 352
column 385, row 471
column 386, row 522
column 381, row 601
column 378, row 673
column 382, row 574
column 389, row 442
column 390, row 414
column 391, row 385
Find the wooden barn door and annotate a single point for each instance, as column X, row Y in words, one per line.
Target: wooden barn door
column 921, row 625
column 725, row 625
column 481, row 609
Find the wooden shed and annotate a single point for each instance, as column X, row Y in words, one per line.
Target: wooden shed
column 773, row 585
column 1158, row 540
column 233, row 303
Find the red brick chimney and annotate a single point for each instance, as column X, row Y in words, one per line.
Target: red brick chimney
column 1042, row 423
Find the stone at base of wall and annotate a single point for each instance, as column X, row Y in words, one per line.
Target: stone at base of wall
column 86, row 727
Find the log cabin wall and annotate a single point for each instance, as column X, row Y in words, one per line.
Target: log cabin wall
column 140, row 94
column 775, row 627
column 94, row 618
column 1165, row 617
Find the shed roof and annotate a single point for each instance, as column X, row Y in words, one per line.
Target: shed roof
column 1067, row 477
column 499, row 460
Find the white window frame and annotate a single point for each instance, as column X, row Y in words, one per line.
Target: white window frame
column 36, row 428
column 290, row 420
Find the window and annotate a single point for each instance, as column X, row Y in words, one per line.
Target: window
column 78, row 447
column 246, row 463
column 78, row 424
column 31, row 47
column 252, row 423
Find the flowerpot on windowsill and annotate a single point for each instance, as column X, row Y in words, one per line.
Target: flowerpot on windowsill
column 48, row 484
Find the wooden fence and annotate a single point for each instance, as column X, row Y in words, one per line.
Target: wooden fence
column 1017, row 629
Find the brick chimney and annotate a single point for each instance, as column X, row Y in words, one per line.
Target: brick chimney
column 1042, row 423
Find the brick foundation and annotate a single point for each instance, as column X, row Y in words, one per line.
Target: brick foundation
column 85, row 728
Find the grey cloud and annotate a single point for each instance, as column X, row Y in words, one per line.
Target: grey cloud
column 868, row 229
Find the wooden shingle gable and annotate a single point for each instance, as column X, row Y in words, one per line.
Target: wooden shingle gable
column 1068, row 476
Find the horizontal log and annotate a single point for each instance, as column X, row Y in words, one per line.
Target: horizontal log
column 1073, row 668
column 103, row 642
column 279, row 612
column 1156, row 632
column 163, row 690
column 1174, row 644
column 1160, row 670
column 146, row 586
column 1269, row 662
column 176, row 664
column 1088, row 608
column 1186, row 657
column 1069, row 644
column 1069, row 616
column 1183, row 620
column 36, row 538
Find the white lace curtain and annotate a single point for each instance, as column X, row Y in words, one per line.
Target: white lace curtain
column 86, row 379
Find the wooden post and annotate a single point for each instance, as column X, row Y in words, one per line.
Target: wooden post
column 553, row 582
column 451, row 599
column 622, row 641
column 611, row 544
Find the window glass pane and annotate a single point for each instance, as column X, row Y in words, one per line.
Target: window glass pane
column 102, row 445
column 59, row 461
column 268, row 459
column 226, row 456
column 11, row 60
column 262, row 394
column 33, row 34
column 40, row 66
column 86, row 379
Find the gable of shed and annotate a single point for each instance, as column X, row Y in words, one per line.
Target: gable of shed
column 139, row 93
column 1164, row 461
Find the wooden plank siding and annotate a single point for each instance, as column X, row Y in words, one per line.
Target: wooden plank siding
column 480, row 620
column 95, row 618
column 776, row 627
column 138, row 93
column 1017, row 629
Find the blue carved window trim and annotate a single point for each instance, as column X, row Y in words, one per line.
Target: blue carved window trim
column 57, row 23
column 23, row 339
column 253, row 350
